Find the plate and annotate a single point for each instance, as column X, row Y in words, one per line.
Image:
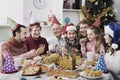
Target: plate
column 89, row 77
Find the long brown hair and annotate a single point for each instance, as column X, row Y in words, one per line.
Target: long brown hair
column 98, row 32
column 108, row 48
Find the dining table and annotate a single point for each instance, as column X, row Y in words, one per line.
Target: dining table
column 18, row 76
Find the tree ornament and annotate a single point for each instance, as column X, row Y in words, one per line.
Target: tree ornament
column 67, row 20
column 96, row 3
column 106, row 14
column 111, row 15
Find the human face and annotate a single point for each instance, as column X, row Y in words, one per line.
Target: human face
column 56, row 30
column 23, row 34
column 91, row 35
column 71, row 34
column 35, row 32
column 83, row 29
column 107, row 38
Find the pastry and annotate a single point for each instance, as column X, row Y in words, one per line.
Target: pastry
column 67, row 62
column 53, row 58
column 44, row 68
column 31, row 70
column 61, row 72
column 37, row 58
column 92, row 73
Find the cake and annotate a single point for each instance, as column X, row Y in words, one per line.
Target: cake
column 31, row 70
column 44, row 68
column 92, row 73
column 61, row 72
column 37, row 58
column 53, row 58
column 67, row 62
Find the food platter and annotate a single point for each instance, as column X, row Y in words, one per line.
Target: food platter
column 89, row 77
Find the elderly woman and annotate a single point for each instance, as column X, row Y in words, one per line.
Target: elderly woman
column 35, row 41
column 112, row 57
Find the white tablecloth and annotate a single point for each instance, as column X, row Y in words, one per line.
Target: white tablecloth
column 18, row 76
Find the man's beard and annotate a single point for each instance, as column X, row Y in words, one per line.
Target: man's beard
column 22, row 40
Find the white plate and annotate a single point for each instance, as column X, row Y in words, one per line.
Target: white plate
column 89, row 77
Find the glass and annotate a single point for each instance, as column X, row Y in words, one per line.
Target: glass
column 90, row 56
column 41, row 48
column 17, row 61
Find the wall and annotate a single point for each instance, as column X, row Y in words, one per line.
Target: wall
column 117, row 9
column 42, row 14
column 5, row 33
column 11, row 8
column 19, row 11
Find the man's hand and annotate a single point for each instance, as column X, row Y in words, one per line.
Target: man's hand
column 54, row 47
column 32, row 53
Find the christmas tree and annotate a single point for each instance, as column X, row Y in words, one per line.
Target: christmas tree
column 99, row 9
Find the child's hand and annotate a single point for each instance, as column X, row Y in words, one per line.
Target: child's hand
column 83, row 41
column 64, row 50
column 75, row 50
column 96, row 56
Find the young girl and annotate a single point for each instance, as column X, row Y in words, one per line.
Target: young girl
column 94, row 42
column 112, row 48
column 72, row 44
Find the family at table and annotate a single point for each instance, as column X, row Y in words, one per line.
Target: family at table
column 67, row 40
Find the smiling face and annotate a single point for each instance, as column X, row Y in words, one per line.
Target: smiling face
column 91, row 35
column 35, row 32
column 57, row 30
column 107, row 38
column 83, row 29
column 21, row 36
column 71, row 34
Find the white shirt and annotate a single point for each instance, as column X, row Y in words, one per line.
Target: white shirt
column 113, row 62
column 60, row 42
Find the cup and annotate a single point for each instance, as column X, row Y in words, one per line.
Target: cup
column 42, row 47
column 17, row 61
column 90, row 56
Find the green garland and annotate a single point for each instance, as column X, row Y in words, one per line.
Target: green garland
column 93, row 18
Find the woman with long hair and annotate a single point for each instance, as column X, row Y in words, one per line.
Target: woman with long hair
column 112, row 48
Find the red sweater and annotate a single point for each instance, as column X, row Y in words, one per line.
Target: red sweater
column 34, row 44
column 14, row 47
